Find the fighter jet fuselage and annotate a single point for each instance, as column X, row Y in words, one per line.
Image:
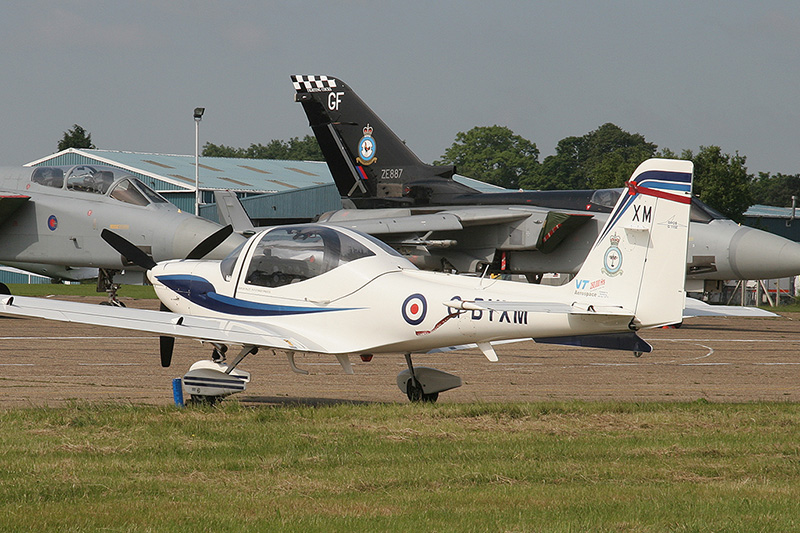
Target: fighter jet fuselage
column 51, row 219
column 442, row 224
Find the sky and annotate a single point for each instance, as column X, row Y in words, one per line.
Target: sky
column 684, row 74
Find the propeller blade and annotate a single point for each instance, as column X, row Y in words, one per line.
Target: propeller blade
column 210, row 242
column 166, row 344
column 128, row 249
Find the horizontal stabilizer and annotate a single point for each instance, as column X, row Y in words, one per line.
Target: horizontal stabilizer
column 489, row 305
column 539, row 307
column 609, row 341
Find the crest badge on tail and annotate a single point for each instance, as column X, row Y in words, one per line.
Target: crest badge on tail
column 366, row 147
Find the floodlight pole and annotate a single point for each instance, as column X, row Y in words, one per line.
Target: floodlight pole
column 198, row 116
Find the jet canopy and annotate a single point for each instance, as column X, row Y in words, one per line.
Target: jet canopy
column 97, row 179
column 700, row 211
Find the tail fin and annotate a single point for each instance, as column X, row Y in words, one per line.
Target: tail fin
column 369, row 163
column 638, row 261
column 231, row 212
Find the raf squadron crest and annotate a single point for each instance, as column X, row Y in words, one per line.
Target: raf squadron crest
column 366, row 147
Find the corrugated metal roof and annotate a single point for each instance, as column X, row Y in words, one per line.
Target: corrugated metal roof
column 768, row 211
column 245, row 175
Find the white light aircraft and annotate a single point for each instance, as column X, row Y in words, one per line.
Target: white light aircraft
column 332, row 290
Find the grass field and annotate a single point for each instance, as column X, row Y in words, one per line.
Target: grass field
column 83, row 289
column 378, row 467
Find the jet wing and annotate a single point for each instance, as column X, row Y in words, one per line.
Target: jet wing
column 695, row 307
column 552, row 226
column 9, row 203
column 393, row 221
column 392, row 225
column 159, row 322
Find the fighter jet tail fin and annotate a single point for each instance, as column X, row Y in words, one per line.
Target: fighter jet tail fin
column 231, row 212
column 371, row 165
column 638, row 262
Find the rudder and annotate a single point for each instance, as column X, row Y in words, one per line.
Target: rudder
column 638, row 262
column 370, row 164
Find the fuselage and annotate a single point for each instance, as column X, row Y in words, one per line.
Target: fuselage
column 357, row 296
column 719, row 248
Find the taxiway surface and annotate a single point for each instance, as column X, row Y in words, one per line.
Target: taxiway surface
column 46, row 363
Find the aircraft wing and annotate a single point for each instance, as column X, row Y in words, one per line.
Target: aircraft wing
column 9, row 203
column 159, row 322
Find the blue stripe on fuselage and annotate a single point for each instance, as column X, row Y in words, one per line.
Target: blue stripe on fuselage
column 199, row 291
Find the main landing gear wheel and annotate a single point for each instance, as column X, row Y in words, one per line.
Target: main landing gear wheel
column 105, row 283
column 415, row 394
column 414, row 381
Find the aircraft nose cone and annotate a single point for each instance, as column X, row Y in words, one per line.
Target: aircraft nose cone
column 776, row 256
column 193, row 230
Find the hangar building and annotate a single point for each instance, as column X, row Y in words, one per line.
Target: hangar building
column 783, row 221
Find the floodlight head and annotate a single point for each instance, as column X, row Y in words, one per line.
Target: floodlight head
column 198, row 113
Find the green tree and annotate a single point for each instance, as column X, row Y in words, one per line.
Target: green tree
column 721, row 180
column 493, row 154
column 220, row 150
column 77, row 137
column 295, row 149
column 602, row 158
column 775, row 190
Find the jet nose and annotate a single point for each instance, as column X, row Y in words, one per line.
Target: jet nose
column 193, row 230
column 774, row 257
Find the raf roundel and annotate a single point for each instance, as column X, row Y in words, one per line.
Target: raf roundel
column 52, row 222
column 414, row 309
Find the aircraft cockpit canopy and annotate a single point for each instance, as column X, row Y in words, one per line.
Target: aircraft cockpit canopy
column 97, row 179
column 606, row 197
column 132, row 191
column 700, row 211
column 290, row 254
